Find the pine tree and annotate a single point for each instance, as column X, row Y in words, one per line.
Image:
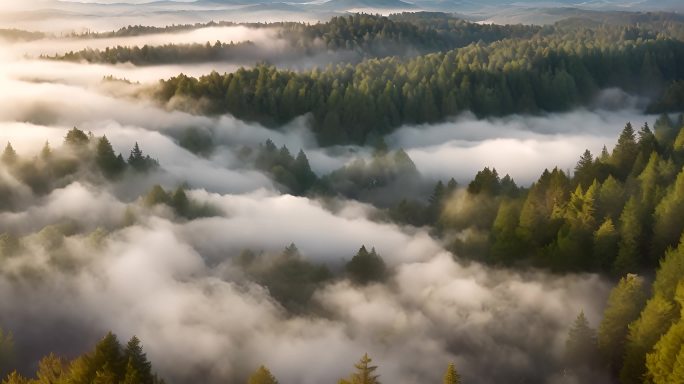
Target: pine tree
column 51, row 370
column 262, row 376
column 585, row 170
column 451, row 376
column 581, row 346
column 364, row 373
column 110, row 164
column 624, row 305
column 629, row 253
column 654, row 321
column 46, row 152
column 625, row 151
column 9, row 156
column 366, row 267
column 76, row 138
column 15, row 378
column 180, row 202
column 138, row 364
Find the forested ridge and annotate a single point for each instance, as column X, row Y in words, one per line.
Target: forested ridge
column 366, row 35
column 618, row 213
column 359, row 103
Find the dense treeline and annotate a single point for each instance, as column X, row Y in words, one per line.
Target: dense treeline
column 164, row 54
column 82, row 156
column 108, row 363
column 360, row 103
column 366, row 35
column 19, row 35
column 617, row 212
column 112, row 363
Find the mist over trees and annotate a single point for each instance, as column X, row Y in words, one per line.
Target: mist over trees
column 342, row 260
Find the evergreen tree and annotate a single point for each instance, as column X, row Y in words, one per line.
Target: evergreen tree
column 625, row 152
column 629, row 253
column 585, row 170
column 605, row 249
column 581, row 347
column 668, row 218
column 624, row 305
column 76, row 138
column 451, row 376
column 180, row 203
column 655, row 320
column 262, row 376
column 46, row 152
column 9, row 156
column 137, row 364
column 664, row 364
column 110, row 164
column 51, row 370
column 366, row 267
column 15, row 378
column 365, row 373
column 157, row 195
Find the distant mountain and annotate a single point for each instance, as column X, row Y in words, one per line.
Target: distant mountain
column 342, row 5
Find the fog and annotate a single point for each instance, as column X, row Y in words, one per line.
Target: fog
column 174, row 283
column 522, row 146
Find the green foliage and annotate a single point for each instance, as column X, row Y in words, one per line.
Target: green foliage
column 665, row 363
column 76, row 138
column 581, row 349
column 669, row 222
column 629, row 254
column 624, row 306
column 451, row 376
column 290, row 279
column 109, row 163
column 139, row 161
column 366, row 267
column 15, row 378
column 356, row 103
column 365, row 373
column 9, row 156
column 262, row 376
column 655, row 320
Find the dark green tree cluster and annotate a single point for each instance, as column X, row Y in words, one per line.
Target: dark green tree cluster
column 293, row 173
column 178, row 201
column 108, row 363
column 82, row 155
column 618, row 213
column 641, row 336
column 19, row 35
column 364, row 373
column 164, row 54
column 290, row 279
column 358, row 103
column 418, row 213
column 366, row 267
column 366, row 35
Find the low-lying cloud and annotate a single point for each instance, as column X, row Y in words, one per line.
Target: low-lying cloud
column 175, row 284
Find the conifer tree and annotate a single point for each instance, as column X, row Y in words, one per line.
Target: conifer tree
column 624, row 305
column 581, row 346
column 262, row 376
column 451, row 376
column 365, row 373
column 9, row 156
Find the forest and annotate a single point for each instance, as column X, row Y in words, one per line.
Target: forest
column 547, row 72
column 617, row 213
column 304, row 218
